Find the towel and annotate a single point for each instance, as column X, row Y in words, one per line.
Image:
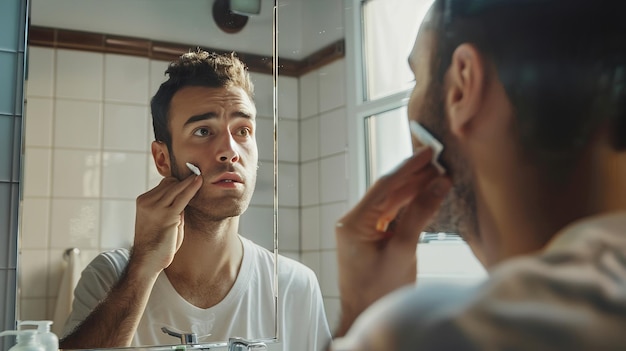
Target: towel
column 71, row 274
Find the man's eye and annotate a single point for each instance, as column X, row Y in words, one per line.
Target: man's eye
column 202, row 132
column 244, row 132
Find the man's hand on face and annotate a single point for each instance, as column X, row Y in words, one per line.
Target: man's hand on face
column 377, row 240
column 159, row 223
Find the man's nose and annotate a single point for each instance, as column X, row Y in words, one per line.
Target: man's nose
column 228, row 150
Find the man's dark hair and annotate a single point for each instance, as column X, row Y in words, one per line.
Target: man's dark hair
column 199, row 68
column 562, row 64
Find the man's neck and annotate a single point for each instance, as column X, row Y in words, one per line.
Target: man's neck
column 207, row 263
column 531, row 212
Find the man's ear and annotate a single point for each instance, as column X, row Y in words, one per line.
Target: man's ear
column 465, row 85
column 161, row 157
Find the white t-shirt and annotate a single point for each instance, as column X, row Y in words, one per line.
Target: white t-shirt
column 247, row 310
column 569, row 296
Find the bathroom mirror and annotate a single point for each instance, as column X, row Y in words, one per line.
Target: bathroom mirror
column 92, row 68
column 88, row 129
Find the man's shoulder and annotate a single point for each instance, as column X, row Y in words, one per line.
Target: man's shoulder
column 114, row 261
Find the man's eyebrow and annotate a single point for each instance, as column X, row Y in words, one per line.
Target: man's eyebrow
column 210, row 115
column 201, row 117
column 243, row 114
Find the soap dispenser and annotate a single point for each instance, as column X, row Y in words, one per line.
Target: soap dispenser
column 26, row 340
column 48, row 339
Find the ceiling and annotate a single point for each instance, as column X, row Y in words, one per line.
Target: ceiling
column 304, row 26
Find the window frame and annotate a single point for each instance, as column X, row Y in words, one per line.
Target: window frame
column 358, row 108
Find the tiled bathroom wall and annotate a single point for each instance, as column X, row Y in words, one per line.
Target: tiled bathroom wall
column 88, row 134
column 323, row 174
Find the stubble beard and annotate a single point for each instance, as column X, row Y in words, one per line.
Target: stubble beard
column 206, row 209
column 458, row 213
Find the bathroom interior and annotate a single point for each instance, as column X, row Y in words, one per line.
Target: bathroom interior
column 76, row 153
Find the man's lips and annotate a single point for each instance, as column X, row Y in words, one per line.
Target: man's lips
column 229, row 177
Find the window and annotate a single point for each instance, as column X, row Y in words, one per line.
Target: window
column 383, row 33
column 389, row 30
column 385, row 146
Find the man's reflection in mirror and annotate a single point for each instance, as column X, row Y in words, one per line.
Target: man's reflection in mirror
column 528, row 99
column 189, row 270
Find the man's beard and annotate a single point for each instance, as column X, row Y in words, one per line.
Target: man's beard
column 215, row 209
column 458, row 213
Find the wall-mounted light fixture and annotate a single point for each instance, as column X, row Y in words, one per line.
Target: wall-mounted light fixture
column 232, row 15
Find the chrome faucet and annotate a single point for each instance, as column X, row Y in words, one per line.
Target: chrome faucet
column 185, row 339
column 241, row 344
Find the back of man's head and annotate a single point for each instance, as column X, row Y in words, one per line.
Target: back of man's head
column 562, row 64
column 198, row 68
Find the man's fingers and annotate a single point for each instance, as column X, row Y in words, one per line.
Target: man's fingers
column 182, row 198
column 173, row 188
column 167, row 191
column 420, row 211
column 180, row 231
column 405, row 170
column 396, row 199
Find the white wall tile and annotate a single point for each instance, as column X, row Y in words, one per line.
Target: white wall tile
column 263, row 94
column 310, row 231
column 288, row 144
column 126, row 78
column 288, row 98
column 264, row 189
column 37, row 164
column 33, row 309
column 312, row 260
column 35, row 221
column 332, row 306
column 75, row 223
column 77, row 124
column 56, row 267
column 51, row 306
column 265, row 138
column 123, row 175
column 309, row 138
column 79, row 74
column 288, row 185
column 329, row 278
column 289, row 229
column 38, row 122
column 310, row 183
column 125, row 127
column 333, row 133
column 257, row 224
column 333, row 179
column 154, row 178
column 309, row 94
column 157, row 75
column 33, row 273
column 76, row 173
column 332, row 86
column 117, row 227
column 40, row 72
column 329, row 214
column 150, row 128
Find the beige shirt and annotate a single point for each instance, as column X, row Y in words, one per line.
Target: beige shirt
column 571, row 296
